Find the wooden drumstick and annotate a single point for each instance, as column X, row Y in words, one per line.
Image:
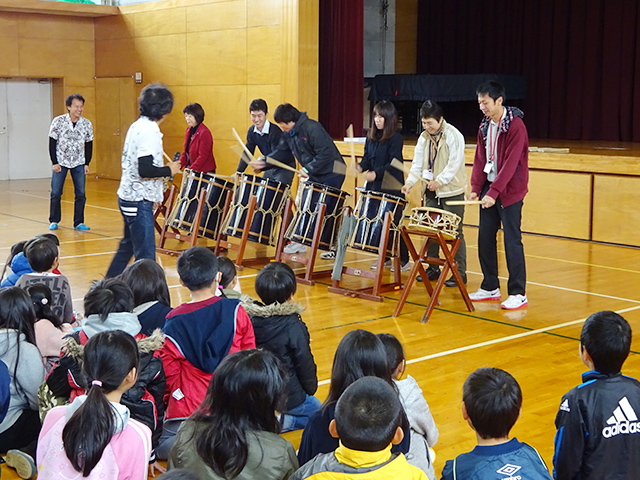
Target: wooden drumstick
column 351, row 146
column 246, row 150
column 169, row 159
column 465, row 202
column 284, row 166
column 395, row 163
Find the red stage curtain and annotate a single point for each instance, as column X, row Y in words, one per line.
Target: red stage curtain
column 581, row 59
column 341, row 65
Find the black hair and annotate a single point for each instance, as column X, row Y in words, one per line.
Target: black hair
column 17, row 317
column 359, row 354
column 196, row 110
column 493, row 89
column 147, row 281
column 197, row 268
column 178, row 474
column 228, row 270
column 430, row 109
column 16, row 248
column 393, row 349
column 276, row 283
column 492, row 398
column 245, row 391
column 258, row 105
column 41, row 252
column 155, row 101
column 606, row 336
column 386, row 110
column 110, row 295
column 72, row 97
column 108, row 358
column 286, row 113
column 368, row 415
column 41, row 299
column 51, row 237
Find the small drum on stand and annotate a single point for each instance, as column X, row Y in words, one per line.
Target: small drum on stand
column 427, row 219
column 369, row 213
column 309, row 196
column 270, row 199
column 185, row 208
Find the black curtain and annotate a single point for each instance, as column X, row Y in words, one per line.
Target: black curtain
column 341, row 68
column 581, row 59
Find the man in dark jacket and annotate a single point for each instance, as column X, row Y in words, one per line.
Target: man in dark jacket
column 598, row 432
column 266, row 136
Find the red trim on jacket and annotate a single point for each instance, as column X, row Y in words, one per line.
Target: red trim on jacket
column 200, row 150
column 181, row 374
column 511, row 182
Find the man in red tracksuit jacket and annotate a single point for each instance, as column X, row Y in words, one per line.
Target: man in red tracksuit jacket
column 199, row 334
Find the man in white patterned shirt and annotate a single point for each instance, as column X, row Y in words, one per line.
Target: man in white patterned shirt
column 70, row 149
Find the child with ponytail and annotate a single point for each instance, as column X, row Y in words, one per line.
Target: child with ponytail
column 98, row 435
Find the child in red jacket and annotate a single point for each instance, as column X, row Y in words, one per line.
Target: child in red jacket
column 199, row 334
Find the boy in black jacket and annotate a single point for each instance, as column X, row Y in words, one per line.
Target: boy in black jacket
column 278, row 327
column 598, row 432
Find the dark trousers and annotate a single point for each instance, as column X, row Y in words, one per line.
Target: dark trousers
column 57, row 185
column 23, row 434
column 139, row 238
column 490, row 220
column 430, row 200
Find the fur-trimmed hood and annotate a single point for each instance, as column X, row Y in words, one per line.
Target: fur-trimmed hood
column 150, row 344
column 257, row 309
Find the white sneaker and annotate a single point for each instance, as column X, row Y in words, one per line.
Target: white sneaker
column 330, row 255
column 515, row 301
column 294, row 247
column 483, row 295
column 386, row 264
column 403, row 268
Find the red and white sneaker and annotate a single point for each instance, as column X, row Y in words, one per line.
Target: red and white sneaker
column 514, row 302
column 483, row 295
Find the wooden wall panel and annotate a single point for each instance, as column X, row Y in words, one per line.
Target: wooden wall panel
column 406, row 36
column 163, row 59
column 10, row 64
column 154, row 23
column 217, row 16
column 616, row 214
column 264, row 12
column 8, row 25
column 112, row 28
column 217, row 57
column 264, row 69
column 116, row 58
column 45, row 26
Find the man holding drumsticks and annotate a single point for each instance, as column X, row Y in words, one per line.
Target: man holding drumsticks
column 499, row 178
column 439, row 158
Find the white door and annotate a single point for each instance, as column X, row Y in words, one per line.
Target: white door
column 28, row 111
column 4, row 143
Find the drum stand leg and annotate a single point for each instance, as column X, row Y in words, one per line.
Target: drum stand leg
column 375, row 292
column 286, row 219
column 191, row 237
column 309, row 260
column 163, row 209
column 449, row 249
column 221, row 236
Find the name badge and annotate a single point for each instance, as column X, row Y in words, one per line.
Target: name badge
column 428, row 174
column 488, row 167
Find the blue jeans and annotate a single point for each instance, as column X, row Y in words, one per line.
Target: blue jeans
column 57, row 185
column 139, row 235
column 298, row 417
column 168, row 438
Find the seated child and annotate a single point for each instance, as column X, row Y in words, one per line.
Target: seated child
column 43, row 255
column 367, row 422
column 199, row 334
column 107, row 307
column 279, row 328
column 598, row 430
column 491, row 405
column 150, row 293
column 235, row 432
column 424, row 433
column 229, row 278
column 49, row 329
column 10, row 276
column 95, row 436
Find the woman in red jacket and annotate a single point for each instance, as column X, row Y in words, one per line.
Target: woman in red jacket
column 198, row 142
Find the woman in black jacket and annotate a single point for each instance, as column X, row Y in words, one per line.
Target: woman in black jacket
column 278, row 327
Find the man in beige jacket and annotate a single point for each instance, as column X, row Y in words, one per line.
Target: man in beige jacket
column 439, row 158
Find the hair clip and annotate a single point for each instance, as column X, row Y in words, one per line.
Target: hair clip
column 97, row 383
column 44, row 301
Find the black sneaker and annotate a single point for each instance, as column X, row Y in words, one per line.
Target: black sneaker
column 433, row 273
column 452, row 281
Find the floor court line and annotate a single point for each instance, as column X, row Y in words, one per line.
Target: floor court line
column 497, row 340
column 67, row 201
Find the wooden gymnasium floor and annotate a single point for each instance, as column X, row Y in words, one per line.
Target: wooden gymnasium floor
column 567, row 281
